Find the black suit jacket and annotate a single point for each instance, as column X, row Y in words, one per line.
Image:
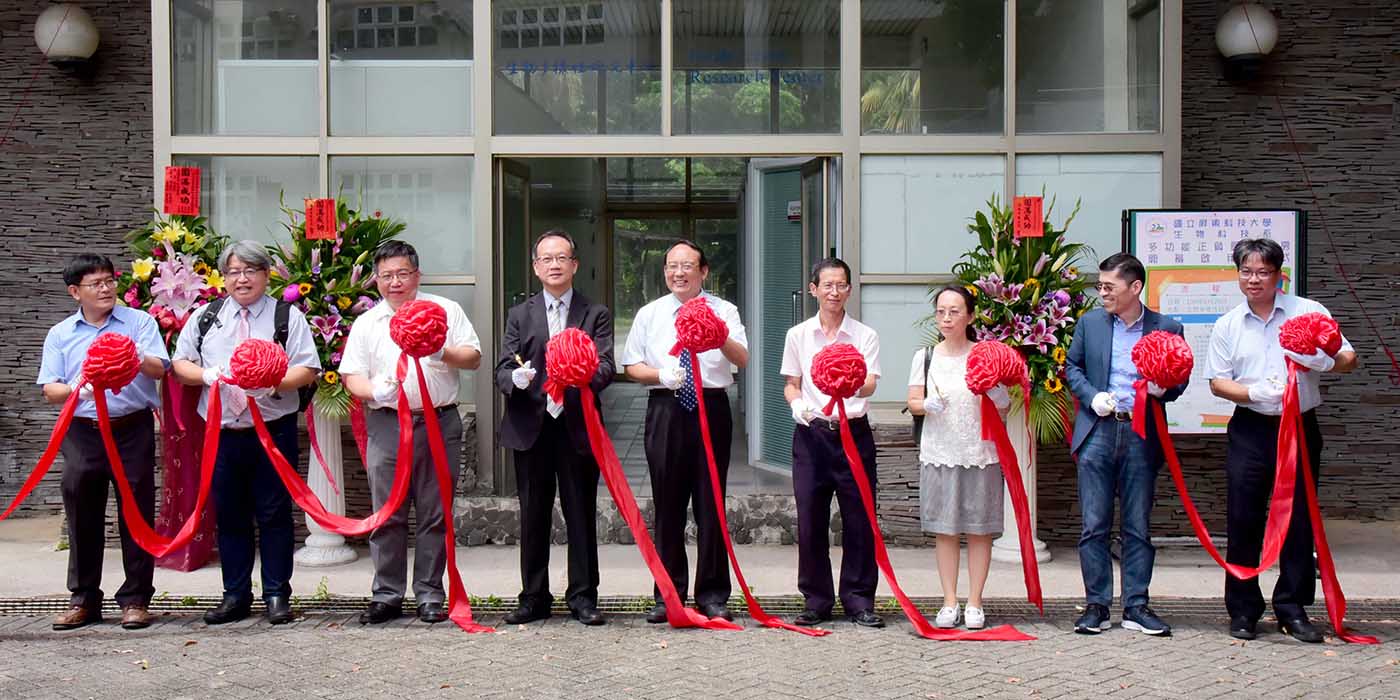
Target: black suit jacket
column 527, row 332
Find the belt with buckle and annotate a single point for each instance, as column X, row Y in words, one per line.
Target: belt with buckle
column 117, row 421
column 835, row 425
column 1123, row 416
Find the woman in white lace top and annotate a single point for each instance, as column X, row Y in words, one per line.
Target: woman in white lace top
column 960, row 481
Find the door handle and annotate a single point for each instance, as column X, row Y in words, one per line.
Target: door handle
column 796, row 307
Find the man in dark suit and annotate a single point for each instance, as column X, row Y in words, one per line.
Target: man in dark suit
column 550, row 440
column 1112, row 458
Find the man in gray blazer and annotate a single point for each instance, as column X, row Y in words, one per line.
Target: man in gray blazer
column 1112, row 458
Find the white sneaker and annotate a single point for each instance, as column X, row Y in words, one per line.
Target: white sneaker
column 948, row 617
column 976, row 619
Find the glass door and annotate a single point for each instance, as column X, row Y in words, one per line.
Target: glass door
column 816, row 222
column 512, row 218
column 639, row 246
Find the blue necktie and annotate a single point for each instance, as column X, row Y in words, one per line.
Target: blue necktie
column 686, row 394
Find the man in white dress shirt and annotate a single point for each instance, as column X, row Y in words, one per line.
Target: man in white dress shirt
column 675, row 453
column 368, row 368
column 1246, row 365
column 820, row 469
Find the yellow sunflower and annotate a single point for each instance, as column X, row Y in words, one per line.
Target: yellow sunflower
column 1053, row 385
column 971, row 289
column 214, row 279
column 343, row 302
column 1058, row 355
column 331, row 377
column 305, row 288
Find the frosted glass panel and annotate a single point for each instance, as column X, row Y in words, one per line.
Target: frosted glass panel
column 894, row 311
column 914, row 209
column 431, row 194
column 401, row 98
column 1107, row 183
column 464, row 294
column 240, row 194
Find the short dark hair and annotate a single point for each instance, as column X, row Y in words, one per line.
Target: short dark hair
column 704, row 261
column 969, row 303
column 395, row 249
column 1126, row 265
column 85, row 264
column 830, row 264
column 553, row 233
column 1270, row 251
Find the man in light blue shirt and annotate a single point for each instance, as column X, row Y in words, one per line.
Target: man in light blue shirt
column 91, row 281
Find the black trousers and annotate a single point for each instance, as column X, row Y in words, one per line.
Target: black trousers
column 680, row 476
column 553, row 460
column 248, row 492
column 820, row 470
column 86, row 475
column 1250, row 461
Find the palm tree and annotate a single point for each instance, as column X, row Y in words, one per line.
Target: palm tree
column 890, row 101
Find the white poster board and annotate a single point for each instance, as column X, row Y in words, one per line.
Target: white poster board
column 1192, row 278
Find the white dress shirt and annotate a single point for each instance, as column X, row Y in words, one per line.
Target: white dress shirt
column 806, row 339
column 1245, row 348
column 370, row 352
column 653, row 334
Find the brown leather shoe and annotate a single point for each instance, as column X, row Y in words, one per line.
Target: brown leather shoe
column 136, row 617
column 77, row 616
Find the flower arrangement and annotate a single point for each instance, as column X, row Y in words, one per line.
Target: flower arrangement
column 331, row 281
column 173, row 270
column 1029, row 294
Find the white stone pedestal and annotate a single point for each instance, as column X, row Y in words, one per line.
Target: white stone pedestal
column 326, row 548
column 1007, row 548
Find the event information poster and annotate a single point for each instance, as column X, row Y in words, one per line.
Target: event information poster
column 1191, row 278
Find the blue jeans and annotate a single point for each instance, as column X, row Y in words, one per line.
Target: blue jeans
column 1113, row 461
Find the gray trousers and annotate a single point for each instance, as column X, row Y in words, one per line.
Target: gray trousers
column 388, row 544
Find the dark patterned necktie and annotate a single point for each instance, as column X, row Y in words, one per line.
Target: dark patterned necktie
column 686, row 394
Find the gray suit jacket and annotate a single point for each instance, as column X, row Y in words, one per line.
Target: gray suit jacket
column 1087, row 370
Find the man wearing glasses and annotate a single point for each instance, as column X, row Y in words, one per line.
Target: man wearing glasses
column 87, row 472
column 680, row 475
column 247, row 490
column 820, row 469
column 1245, row 365
column 551, row 439
column 368, row 367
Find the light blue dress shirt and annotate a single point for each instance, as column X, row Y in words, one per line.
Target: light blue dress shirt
column 1121, row 370
column 66, row 346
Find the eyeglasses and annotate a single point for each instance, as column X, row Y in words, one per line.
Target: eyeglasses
column 681, row 267
column 108, row 283
column 551, row 259
column 1257, row 274
column 242, row 273
column 948, row 313
column 397, row 276
column 829, row 287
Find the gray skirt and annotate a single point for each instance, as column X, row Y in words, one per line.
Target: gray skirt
column 960, row 500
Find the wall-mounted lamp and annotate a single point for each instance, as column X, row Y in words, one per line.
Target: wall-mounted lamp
column 1246, row 34
column 66, row 35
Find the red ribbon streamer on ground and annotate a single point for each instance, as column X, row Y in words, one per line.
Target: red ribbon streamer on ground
column 756, row 611
column 1001, row 633
column 60, row 429
column 993, row 429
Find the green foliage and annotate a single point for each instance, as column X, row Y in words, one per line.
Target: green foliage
column 173, row 270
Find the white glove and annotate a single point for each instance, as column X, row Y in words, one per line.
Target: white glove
column 522, row 376
column 1155, row 390
column 933, row 403
column 1000, row 397
column 213, row 374
column 1266, row 394
column 384, row 389
column 83, row 387
column 802, row 412
column 1104, row 403
column 260, row 393
column 1318, row 361
column 671, row 375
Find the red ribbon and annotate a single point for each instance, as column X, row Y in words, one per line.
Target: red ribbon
column 60, row 429
column 1001, row 633
column 1140, row 408
column 756, row 611
column 316, row 447
column 993, row 429
column 359, row 430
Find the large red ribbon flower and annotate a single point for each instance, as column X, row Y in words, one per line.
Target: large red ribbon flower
column 111, row 362
column 570, row 359
column 258, row 364
column 839, row 371
column 1310, row 332
column 1164, row 359
column 419, row 328
column 698, row 328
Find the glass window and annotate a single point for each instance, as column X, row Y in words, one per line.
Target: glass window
column 464, row 294
column 243, row 195
column 592, row 68
column 896, row 312
column 432, row 195
column 914, row 209
column 406, row 71
column 232, row 61
column 931, row 67
column 639, row 254
column 757, row 67
column 1105, row 184
column 1088, row 66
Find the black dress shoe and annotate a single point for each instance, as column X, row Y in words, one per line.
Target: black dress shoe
column 1300, row 629
column 811, row 618
column 279, row 610
column 378, row 613
column 588, row 615
column 432, row 613
column 657, row 614
column 1243, row 628
column 229, row 610
column 523, row 615
column 867, row 618
column 719, row 610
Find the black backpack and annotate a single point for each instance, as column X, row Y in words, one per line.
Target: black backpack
column 280, row 320
column 919, row 420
